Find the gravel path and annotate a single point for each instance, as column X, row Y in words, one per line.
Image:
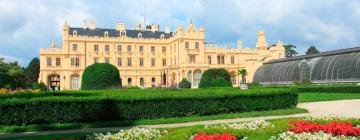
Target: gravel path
column 348, row 108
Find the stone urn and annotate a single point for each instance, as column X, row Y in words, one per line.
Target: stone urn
column 244, row 86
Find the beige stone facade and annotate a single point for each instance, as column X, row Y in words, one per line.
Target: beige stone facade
column 146, row 56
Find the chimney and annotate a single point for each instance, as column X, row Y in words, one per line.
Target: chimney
column 167, row 29
column 155, row 27
column 84, row 24
column 120, row 26
column 138, row 26
column 92, row 25
column 239, row 44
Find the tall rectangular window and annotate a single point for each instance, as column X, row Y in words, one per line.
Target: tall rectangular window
column 153, row 49
column 141, row 62
column 96, row 47
column 220, row 59
column 196, row 45
column 107, row 48
column 141, row 49
column 75, row 82
column 107, row 60
column 164, row 62
column 48, row 61
column 164, row 49
column 209, row 59
column 129, row 48
column 119, row 62
column 119, row 48
column 58, row 63
column 153, row 62
column 186, row 44
column 192, row 58
column 232, row 60
column 129, row 62
column 75, row 61
column 96, row 60
column 74, row 47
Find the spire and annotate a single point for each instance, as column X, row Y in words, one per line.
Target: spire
column 52, row 43
column 191, row 21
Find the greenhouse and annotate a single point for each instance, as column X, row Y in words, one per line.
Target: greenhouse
column 327, row 67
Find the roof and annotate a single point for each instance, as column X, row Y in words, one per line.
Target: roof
column 328, row 53
column 116, row 33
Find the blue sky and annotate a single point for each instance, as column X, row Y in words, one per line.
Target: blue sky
column 27, row 25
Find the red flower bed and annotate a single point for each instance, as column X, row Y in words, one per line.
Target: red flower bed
column 334, row 128
column 202, row 136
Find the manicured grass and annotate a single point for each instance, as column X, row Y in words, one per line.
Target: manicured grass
column 314, row 97
column 148, row 121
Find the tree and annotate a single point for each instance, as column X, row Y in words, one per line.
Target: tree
column 32, row 71
column 14, row 70
column 215, row 78
column 243, row 74
column 100, row 76
column 290, row 50
column 184, row 83
column 312, row 50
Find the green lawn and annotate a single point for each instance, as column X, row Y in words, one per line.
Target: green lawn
column 314, row 97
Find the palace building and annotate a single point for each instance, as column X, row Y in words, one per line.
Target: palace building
column 148, row 57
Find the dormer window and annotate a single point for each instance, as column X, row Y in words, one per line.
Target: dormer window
column 74, row 33
column 123, row 33
column 139, row 35
column 162, row 36
column 106, row 34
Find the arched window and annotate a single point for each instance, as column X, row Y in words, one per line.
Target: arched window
column 123, row 33
column 106, row 34
column 162, row 36
column 141, row 81
column 74, row 33
column 75, row 82
column 139, row 35
column 189, row 76
column 197, row 78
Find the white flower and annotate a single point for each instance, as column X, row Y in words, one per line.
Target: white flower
column 331, row 117
column 253, row 125
column 310, row 136
column 130, row 134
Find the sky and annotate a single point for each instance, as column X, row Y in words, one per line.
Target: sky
column 28, row 25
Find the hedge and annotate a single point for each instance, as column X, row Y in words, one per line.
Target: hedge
column 100, row 76
column 335, row 88
column 184, row 84
column 46, row 110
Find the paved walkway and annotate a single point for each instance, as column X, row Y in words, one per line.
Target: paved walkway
column 349, row 108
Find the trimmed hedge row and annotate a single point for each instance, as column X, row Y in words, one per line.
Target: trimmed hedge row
column 339, row 88
column 47, row 110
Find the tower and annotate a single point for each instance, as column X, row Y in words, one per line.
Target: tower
column 261, row 43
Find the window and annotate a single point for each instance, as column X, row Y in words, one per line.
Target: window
column 129, row 82
column 96, row 60
column 196, row 45
column 106, row 48
column 129, row 61
column 220, row 59
column 119, row 48
column 141, row 49
column 119, row 62
column 141, row 62
column 48, row 61
column 153, row 49
column 96, row 47
column 129, row 48
column 232, row 60
column 74, row 47
column 164, row 49
column 186, row 44
column 164, row 62
column 141, row 81
column 74, row 33
column 107, row 60
column 192, row 58
column 153, row 82
column 153, row 62
column 209, row 59
column 58, row 62
column 75, row 61
column 106, row 33
column 75, row 83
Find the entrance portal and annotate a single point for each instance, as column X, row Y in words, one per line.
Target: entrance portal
column 54, row 82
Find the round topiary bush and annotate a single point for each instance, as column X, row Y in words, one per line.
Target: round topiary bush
column 6, row 81
column 184, row 83
column 215, row 78
column 100, row 76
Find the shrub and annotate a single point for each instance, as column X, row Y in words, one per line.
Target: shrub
column 100, row 76
column 41, row 86
column 215, row 78
column 91, row 107
column 184, row 83
column 6, row 81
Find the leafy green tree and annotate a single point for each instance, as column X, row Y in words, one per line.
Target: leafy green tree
column 290, row 50
column 100, row 76
column 243, row 73
column 184, row 83
column 14, row 70
column 312, row 50
column 215, row 78
column 32, row 71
